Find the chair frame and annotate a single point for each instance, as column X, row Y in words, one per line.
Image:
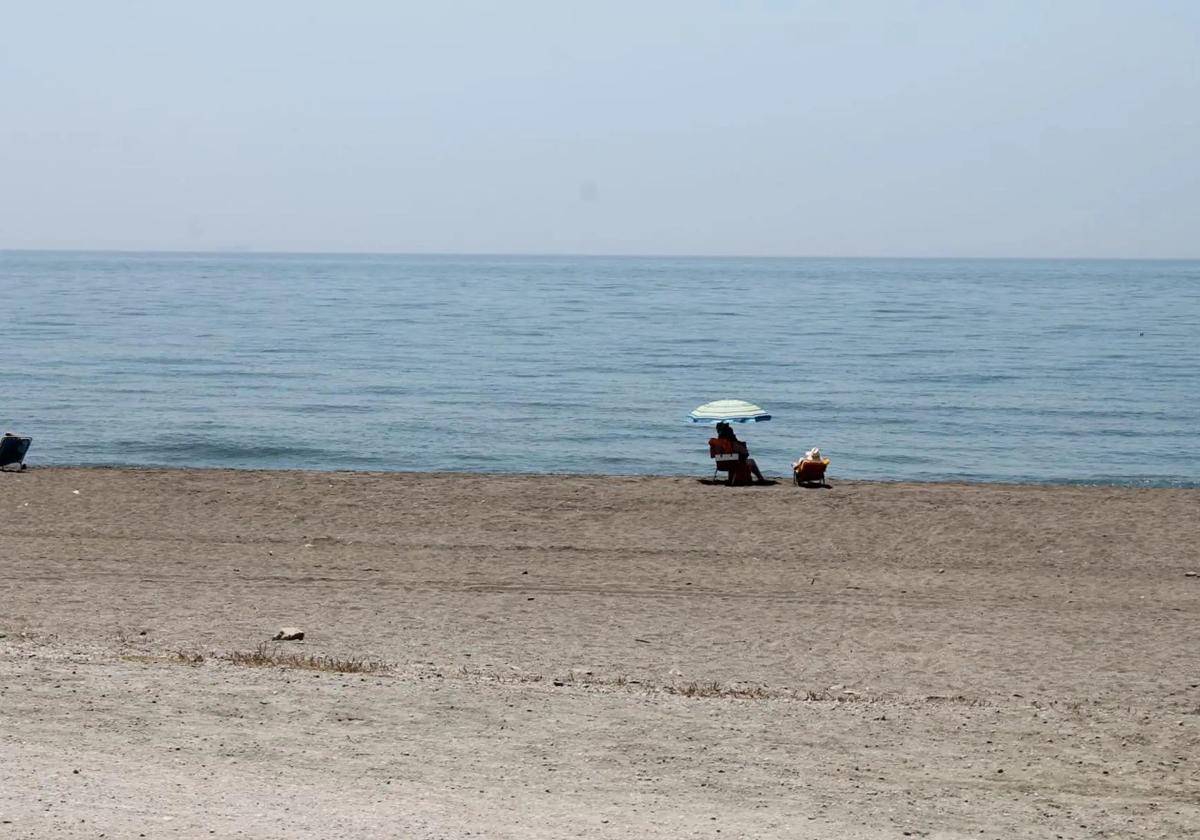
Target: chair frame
column 725, row 462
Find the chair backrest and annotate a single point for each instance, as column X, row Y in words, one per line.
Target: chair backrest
column 13, row 449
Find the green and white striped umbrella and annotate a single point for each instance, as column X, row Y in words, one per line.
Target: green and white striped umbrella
column 728, row 411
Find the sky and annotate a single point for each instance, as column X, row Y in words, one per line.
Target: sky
column 1024, row 128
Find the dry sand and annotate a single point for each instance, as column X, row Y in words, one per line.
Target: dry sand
column 595, row 657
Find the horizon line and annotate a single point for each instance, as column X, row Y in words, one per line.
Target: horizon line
column 240, row 251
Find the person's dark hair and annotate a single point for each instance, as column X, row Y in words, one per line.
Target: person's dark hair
column 725, row 431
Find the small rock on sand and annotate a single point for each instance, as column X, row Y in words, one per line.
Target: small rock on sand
column 288, row 634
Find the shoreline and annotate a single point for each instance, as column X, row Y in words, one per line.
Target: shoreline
column 698, row 478
column 606, row 656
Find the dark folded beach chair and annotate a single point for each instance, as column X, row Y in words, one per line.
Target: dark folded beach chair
column 12, row 451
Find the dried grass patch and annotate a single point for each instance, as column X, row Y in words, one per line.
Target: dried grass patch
column 715, row 689
column 271, row 656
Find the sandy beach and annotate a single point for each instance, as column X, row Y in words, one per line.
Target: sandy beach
column 594, row 657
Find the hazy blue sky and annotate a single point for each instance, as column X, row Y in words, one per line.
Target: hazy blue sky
column 830, row 128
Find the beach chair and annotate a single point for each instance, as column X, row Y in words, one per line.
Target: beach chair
column 725, row 462
column 810, row 473
column 12, row 451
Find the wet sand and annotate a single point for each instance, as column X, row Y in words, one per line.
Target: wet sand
column 595, row 657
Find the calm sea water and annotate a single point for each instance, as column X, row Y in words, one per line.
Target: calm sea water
column 1076, row 371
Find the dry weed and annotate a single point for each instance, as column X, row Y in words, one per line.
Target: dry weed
column 270, row 656
column 715, row 689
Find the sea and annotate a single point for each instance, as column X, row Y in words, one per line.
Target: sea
column 1056, row 371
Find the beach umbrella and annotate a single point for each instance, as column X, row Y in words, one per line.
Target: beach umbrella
column 728, row 411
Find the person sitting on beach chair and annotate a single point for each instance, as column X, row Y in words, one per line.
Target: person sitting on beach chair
column 809, row 471
column 732, row 456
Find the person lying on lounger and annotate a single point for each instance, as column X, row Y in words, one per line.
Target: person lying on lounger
column 809, row 471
